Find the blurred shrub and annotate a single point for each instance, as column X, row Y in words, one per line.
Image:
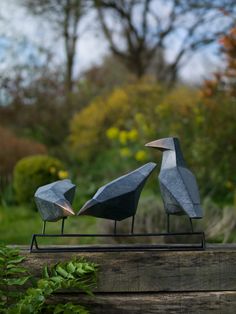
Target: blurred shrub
column 214, row 149
column 119, row 125
column 32, row 172
column 220, row 109
column 14, row 148
column 90, row 128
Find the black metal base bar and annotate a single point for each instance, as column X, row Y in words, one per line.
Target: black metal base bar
column 34, row 248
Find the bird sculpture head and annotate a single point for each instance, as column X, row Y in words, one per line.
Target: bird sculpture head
column 54, row 200
column 168, row 143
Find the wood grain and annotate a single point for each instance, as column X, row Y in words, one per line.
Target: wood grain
column 211, row 270
column 155, row 303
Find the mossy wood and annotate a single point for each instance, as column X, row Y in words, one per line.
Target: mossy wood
column 155, row 282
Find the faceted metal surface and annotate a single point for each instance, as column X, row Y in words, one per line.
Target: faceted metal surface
column 54, row 200
column 118, row 199
column 178, row 185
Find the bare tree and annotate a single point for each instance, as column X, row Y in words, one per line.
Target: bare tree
column 139, row 30
column 65, row 17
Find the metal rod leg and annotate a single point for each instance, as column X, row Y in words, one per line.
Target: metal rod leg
column 132, row 227
column 115, row 227
column 44, row 226
column 191, row 223
column 168, row 223
column 203, row 241
column 62, row 225
column 36, row 243
column 32, row 244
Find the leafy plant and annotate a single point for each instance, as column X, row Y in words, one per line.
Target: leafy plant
column 69, row 308
column 34, row 171
column 11, row 275
column 77, row 274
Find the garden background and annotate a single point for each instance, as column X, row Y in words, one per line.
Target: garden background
column 85, row 84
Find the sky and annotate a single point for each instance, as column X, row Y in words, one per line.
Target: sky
column 29, row 32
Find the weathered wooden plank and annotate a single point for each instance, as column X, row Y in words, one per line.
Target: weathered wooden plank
column 210, row 270
column 155, row 303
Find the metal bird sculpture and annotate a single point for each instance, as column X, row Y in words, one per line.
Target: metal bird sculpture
column 178, row 185
column 118, row 199
column 54, row 201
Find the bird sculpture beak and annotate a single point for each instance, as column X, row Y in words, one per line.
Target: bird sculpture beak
column 159, row 144
column 66, row 207
column 87, row 206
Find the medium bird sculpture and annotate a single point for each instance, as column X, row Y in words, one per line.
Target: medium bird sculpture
column 118, row 199
column 54, row 201
column 178, row 185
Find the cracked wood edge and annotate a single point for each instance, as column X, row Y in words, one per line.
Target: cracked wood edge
column 155, row 303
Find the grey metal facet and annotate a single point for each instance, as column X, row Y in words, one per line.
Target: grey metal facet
column 118, row 199
column 54, row 200
column 178, row 185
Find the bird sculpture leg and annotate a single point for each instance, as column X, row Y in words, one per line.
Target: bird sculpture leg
column 191, row 224
column 115, row 227
column 132, row 226
column 62, row 225
column 44, row 227
column 168, row 223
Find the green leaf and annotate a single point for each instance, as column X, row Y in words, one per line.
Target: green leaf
column 14, row 270
column 70, row 267
column 16, row 281
column 62, row 271
column 17, row 260
column 57, row 279
column 45, row 272
column 89, row 268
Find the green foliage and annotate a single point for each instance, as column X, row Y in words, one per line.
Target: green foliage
column 120, row 109
column 77, row 274
column 69, row 308
column 32, row 172
column 11, row 275
column 112, row 131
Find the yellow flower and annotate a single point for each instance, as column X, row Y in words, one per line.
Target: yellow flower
column 62, row 174
column 52, row 170
column 132, row 135
column 141, row 155
column 112, row 133
column 125, row 152
column 123, row 137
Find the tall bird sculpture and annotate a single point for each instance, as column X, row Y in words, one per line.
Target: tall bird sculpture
column 118, row 199
column 178, row 185
column 54, row 201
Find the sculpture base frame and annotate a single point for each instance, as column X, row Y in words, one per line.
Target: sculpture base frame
column 35, row 248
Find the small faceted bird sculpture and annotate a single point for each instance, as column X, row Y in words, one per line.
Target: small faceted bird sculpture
column 178, row 185
column 118, row 199
column 54, row 201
